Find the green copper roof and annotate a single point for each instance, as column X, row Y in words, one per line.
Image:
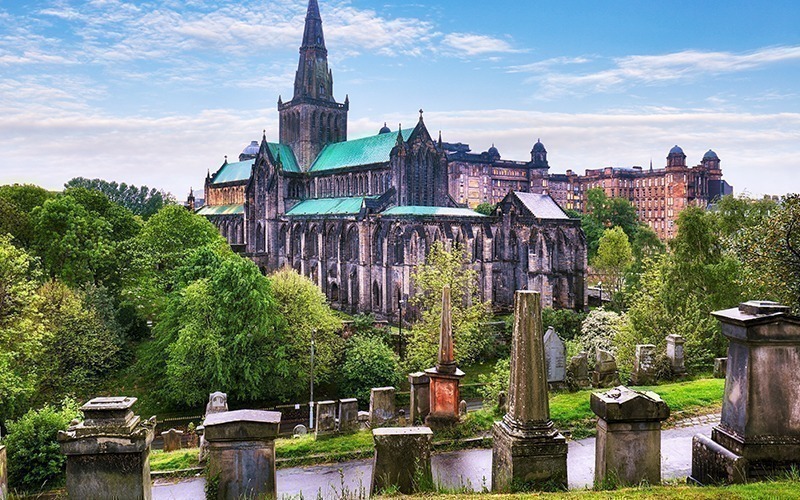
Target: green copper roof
column 233, row 172
column 288, row 161
column 329, row 206
column 221, row 210
column 365, row 151
column 438, row 211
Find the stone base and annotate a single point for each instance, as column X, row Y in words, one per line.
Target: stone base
column 638, row 378
column 528, row 463
column 109, row 475
column 242, row 469
column 628, row 453
column 605, row 380
column 402, row 459
column 441, row 420
column 714, row 464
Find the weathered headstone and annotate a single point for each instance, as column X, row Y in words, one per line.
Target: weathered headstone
column 644, row 365
column 578, row 371
column 445, row 377
column 381, row 406
column 172, row 440
column 759, row 433
column 555, row 355
column 299, row 430
column 108, row 453
column 420, row 396
column 528, row 452
column 402, row 459
column 3, row 473
column 605, row 370
column 348, row 415
column 628, row 446
column 462, row 408
column 502, row 401
column 675, row 354
column 241, row 453
column 217, row 402
column 326, row 419
column 720, row 367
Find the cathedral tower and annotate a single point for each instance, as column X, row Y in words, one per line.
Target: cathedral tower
column 312, row 118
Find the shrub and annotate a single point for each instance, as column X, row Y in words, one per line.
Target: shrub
column 599, row 331
column 566, row 322
column 34, row 457
column 368, row 363
column 495, row 382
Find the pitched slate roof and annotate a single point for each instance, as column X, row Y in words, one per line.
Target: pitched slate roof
column 221, row 210
column 329, row 206
column 288, row 161
column 434, row 211
column 364, row 151
column 541, row 205
column 240, row 170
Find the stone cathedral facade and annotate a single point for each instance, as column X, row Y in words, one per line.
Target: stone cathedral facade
column 356, row 216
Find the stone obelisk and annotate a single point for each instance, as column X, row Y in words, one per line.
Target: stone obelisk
column 445, row 377
column 528, row 452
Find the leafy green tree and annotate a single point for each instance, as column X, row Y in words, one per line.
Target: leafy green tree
column 495, row 383
column 486, row 208
column 304, row 311
column 732, row 214
column 604, row 213
column 368, row 362
column 16, row 205
column 35, row 461
column 25, row 197
column 141, row 201
column 614, row 257
column 599, row 331
column 443, row 267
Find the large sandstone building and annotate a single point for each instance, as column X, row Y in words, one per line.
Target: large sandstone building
column 658, row 194
column 356, row 216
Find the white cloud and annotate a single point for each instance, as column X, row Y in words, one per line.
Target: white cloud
column 547, row 64
column 470, row 44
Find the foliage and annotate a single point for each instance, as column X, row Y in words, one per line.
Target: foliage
column 141, row 201
column 599, row 331
column 495, row 383
column 21, row 329
column 35, row 461
column 486, row 208
column 305, row 312
column 565, row 321
column 443, row 267
column 614, row 257
column 733, row 214
column 16, row 206
column 368, row 362
column 603, row 213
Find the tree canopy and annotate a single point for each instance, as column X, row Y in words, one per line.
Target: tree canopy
column 141, row 201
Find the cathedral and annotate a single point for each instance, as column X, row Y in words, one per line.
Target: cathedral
column 356, row 216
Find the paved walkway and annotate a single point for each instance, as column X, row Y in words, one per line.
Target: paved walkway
column 468, row 468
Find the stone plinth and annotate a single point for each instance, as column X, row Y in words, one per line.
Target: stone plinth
column 241, row 453
column 605, row 370
column 644, row 365
column 348, row 415
column 420, row 397
column 402, row 459
column 628, row 446
column 326, row 419
column 675, row 354
column 759, row 432
column 108, row 453
column 172, row 440
column 555, row 355
column 528, row 452
column 3, row 473
column 720, row 367
column 445, row 377
column 578, row 372
column 381, row 406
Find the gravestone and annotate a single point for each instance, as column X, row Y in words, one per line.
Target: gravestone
column 675, row 354
column 363, row 420
column 402, row 459
column 644, row 365
column 381, row 406
column 348, row 415
column 462, row 408
column 628, row 445
column 528, row 452
column 502, row 403
column 172, row 440
column 555, row 355
column 217, row 402
column 108, row 454
column 605, row 370
column 3, row 473
column 241, row 453
column 445, row 377
column 578, row 371
column 759, row 432
column 720, row 367
column 326, row 419
column 420, row 396
column 299, row 430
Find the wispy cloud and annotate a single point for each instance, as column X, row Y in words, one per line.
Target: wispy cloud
column 548, row 64
column 470, row 44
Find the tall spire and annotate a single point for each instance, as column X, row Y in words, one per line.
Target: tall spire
column 313, row 78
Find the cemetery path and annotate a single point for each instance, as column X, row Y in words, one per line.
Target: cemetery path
column 471, row 468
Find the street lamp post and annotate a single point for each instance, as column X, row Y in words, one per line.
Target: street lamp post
column 400, row 303
column 311, row 399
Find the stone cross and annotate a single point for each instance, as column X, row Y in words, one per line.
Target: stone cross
column 555, row 353
column 172, row 440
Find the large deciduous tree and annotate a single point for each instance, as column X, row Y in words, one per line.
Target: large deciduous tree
column 141, row 201
column 614, row 257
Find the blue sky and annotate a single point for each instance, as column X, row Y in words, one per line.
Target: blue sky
column 157, row 93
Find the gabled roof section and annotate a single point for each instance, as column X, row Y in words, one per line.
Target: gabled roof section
column 365, row 151
column 286, row 155
column 330, row 206
column 542, row 206
column 221, row 210
column 233, row 172
column 432, row 211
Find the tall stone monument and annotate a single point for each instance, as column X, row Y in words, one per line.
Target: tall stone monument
column 759, row 432
column 555, row 355
column 445, row 377
column 528, row 451
column 241, row 453
column 108, row 454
